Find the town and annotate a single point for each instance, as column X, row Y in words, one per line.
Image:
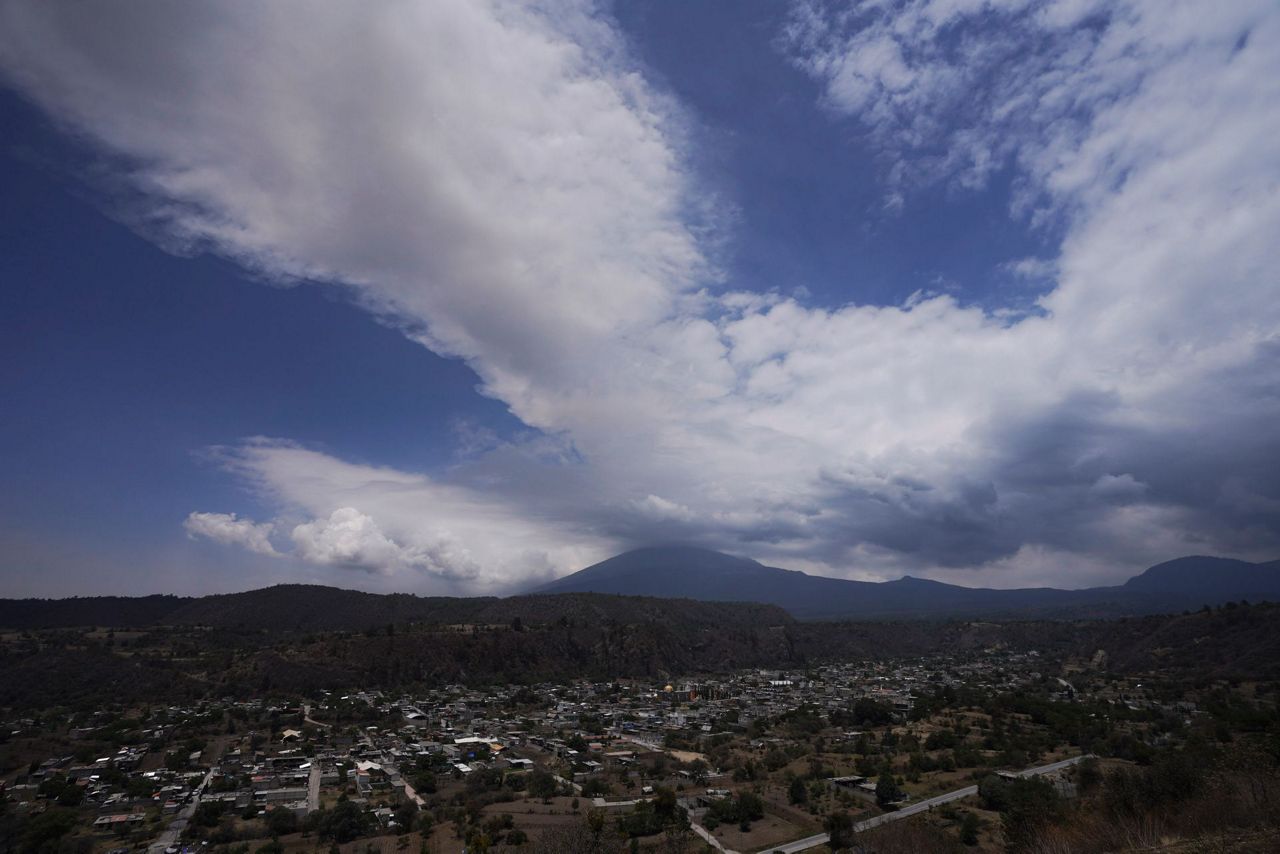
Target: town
column 966, row 751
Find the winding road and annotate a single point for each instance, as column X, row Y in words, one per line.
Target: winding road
column 919, row 807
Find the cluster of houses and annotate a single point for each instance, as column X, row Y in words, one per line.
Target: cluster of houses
column 369, row 745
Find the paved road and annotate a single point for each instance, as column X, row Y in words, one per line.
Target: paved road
column 918, row 807
column 313, row 787
column 306, row 717
column 409, row 792
column 1054, row 766
column 577, row 787
column 710, row 839
column 385, row 763
column 170, row 835
column 412, row 794
column 802, row 844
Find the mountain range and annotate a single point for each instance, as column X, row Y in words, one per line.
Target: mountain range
column 696, row 573
column 695, row 577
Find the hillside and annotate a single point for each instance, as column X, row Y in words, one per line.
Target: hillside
column 87, row 611
column 311, row 608
column 601, row 637
column 227, row 645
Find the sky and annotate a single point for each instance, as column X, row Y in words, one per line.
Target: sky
column 456, row 297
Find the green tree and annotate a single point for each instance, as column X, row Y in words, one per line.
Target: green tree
column 839, row 826
column 994, row 793
column 1031, row 805
column 750, row 807
column 868, row 712
column 798, row 792
column 595, row 822
column 424, row 782
column 542, row 784
column 345, row 822
column 281, row 821
column 887, row 791
column 44, row 830
column 70, row 796
column 208, row 813
column 664, row 803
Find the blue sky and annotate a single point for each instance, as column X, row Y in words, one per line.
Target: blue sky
column 807, row 194
column 455, row 299
column 123, row 363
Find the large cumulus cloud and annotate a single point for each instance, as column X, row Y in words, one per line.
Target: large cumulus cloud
column 501, row 182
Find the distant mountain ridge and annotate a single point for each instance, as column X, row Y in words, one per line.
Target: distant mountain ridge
column 696, row 584
column 1200, row 574
column 696, row 573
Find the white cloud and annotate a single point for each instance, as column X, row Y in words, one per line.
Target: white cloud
column 1031, row 268
column 494, row 176
column 393, row 523
column 228, row 529
column 502, row 183
column 660, row 509
column 349, row 538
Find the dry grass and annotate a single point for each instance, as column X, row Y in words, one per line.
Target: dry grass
column 1241, row 801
